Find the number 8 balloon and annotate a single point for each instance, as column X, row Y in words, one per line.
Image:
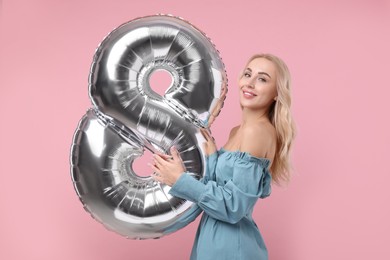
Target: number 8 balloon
column 129, row 117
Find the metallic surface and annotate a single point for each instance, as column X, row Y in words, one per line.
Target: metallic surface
column 129, row 117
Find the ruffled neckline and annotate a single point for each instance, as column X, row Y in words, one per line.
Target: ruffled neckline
column 246, row 156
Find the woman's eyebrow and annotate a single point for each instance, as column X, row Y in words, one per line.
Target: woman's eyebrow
column 260, row 72
column 265, row 74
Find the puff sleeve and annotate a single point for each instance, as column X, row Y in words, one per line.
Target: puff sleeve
column 191, row 214
column 233, row 200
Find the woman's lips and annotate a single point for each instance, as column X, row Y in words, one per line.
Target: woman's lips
column 248, row 94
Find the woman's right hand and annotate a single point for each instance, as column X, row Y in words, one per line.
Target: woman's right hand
column 209, row 145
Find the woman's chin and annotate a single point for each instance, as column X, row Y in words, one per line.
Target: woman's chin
column 247, row 104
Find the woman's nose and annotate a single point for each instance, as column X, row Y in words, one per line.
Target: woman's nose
column 251, row 83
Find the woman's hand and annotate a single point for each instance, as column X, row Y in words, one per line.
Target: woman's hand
column 167, row 169
column 209, row 145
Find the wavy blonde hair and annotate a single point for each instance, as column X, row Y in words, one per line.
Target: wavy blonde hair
column 281, row 118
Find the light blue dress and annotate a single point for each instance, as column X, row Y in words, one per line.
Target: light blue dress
column 227, row 194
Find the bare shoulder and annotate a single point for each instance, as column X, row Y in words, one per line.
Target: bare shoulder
column 259, row 140
column 233, row 131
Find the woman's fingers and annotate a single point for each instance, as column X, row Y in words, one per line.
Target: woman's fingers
column 158, row 159
column 175, row 154
column 156, row 175
column 165, row 156
column 210, row 138
column 167, row 171
column 205, row 134
column 155, row 169
column 202, row 132
column 157, row 178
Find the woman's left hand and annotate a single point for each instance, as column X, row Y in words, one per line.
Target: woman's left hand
column 167, row 169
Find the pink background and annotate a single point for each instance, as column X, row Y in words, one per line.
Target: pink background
column 337, row 205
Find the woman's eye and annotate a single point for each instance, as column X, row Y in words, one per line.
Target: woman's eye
column 247, row 74
column 263, row 79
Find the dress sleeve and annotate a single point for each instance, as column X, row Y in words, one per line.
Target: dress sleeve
column 233, row 200
column 191, row 214
column 185, row 219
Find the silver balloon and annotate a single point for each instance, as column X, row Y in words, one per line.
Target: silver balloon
column 129, row 117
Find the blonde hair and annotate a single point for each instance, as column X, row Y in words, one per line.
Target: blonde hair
column 281, row 118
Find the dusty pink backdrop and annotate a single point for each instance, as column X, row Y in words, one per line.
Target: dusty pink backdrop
column 337, row 206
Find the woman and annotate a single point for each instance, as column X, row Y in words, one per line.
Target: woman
column 256, row 152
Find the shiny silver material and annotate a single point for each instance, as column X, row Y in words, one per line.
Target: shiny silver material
column 129, row 117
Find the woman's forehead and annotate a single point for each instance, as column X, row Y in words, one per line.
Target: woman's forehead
column 262, row 65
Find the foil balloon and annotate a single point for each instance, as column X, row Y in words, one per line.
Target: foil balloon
column 128, row 117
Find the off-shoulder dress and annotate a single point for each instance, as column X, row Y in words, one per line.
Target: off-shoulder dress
column 227, row 194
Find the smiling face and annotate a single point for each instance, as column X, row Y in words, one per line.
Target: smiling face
column 257, row 84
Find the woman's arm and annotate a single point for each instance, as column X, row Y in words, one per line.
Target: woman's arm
column 231, row 201
column 190, row 215
column 185, row 219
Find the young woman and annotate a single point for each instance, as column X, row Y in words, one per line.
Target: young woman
column 256, row 153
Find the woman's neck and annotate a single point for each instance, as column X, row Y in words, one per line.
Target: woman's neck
column 250, row 117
